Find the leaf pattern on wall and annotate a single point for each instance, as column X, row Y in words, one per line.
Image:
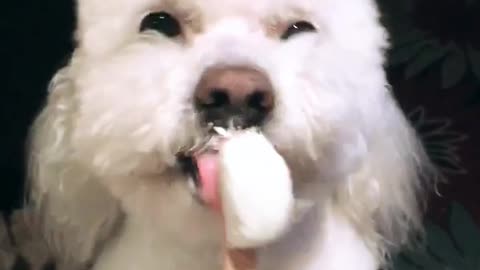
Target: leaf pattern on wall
column 440, row 141
column 422, row 55
column 454, row 248
column 418, row 50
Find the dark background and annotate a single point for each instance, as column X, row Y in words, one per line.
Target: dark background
column 434, row 68
column 35, row 40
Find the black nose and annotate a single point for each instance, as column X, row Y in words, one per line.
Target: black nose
column 238, row 96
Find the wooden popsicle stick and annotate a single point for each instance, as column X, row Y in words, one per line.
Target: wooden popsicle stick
column 237, row 259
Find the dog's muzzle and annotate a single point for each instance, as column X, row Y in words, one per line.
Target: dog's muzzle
column 230, row 97
column 234, row 96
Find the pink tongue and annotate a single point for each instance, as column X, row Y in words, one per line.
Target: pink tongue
column 207, row 164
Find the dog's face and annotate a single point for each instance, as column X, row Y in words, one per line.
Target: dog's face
column 149, row 76
column 145, row 72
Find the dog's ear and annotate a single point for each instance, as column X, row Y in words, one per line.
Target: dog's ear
column 75, row 211
column 387, row 195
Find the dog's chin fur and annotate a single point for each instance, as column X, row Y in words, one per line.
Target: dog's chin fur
column 103, row 151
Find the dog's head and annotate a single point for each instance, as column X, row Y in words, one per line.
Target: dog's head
column 148, row 77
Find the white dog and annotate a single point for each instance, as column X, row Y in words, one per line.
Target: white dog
column 149, row 75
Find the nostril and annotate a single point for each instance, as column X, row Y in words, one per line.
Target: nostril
column 238, row 96
column 255, row 100
column 259, row 100
column 216, row 98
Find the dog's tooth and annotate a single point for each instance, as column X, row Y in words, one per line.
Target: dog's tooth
column 220, row 131
column 191, row 184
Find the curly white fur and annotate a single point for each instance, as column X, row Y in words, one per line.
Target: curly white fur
column 103, row 149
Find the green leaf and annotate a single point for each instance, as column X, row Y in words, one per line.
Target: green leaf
column 465, row 232
column 474, row 59
column 401, row 55
column 441, row 246
column 405, row 38
column 424, row 260
column 401, row 264
column 426, row 58
column 454, row 68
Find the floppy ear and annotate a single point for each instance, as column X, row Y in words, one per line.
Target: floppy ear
column 387, row 195
column 75, row 211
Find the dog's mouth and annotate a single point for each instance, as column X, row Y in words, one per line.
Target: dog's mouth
column 202, row 175
column 197, row 164
column 200, row 164
column 189, row 167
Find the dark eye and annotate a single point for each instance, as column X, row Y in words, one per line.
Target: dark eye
column 161, row 22
column 297, row 28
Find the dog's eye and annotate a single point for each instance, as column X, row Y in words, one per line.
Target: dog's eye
column 297, row 28
column 161, row 22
